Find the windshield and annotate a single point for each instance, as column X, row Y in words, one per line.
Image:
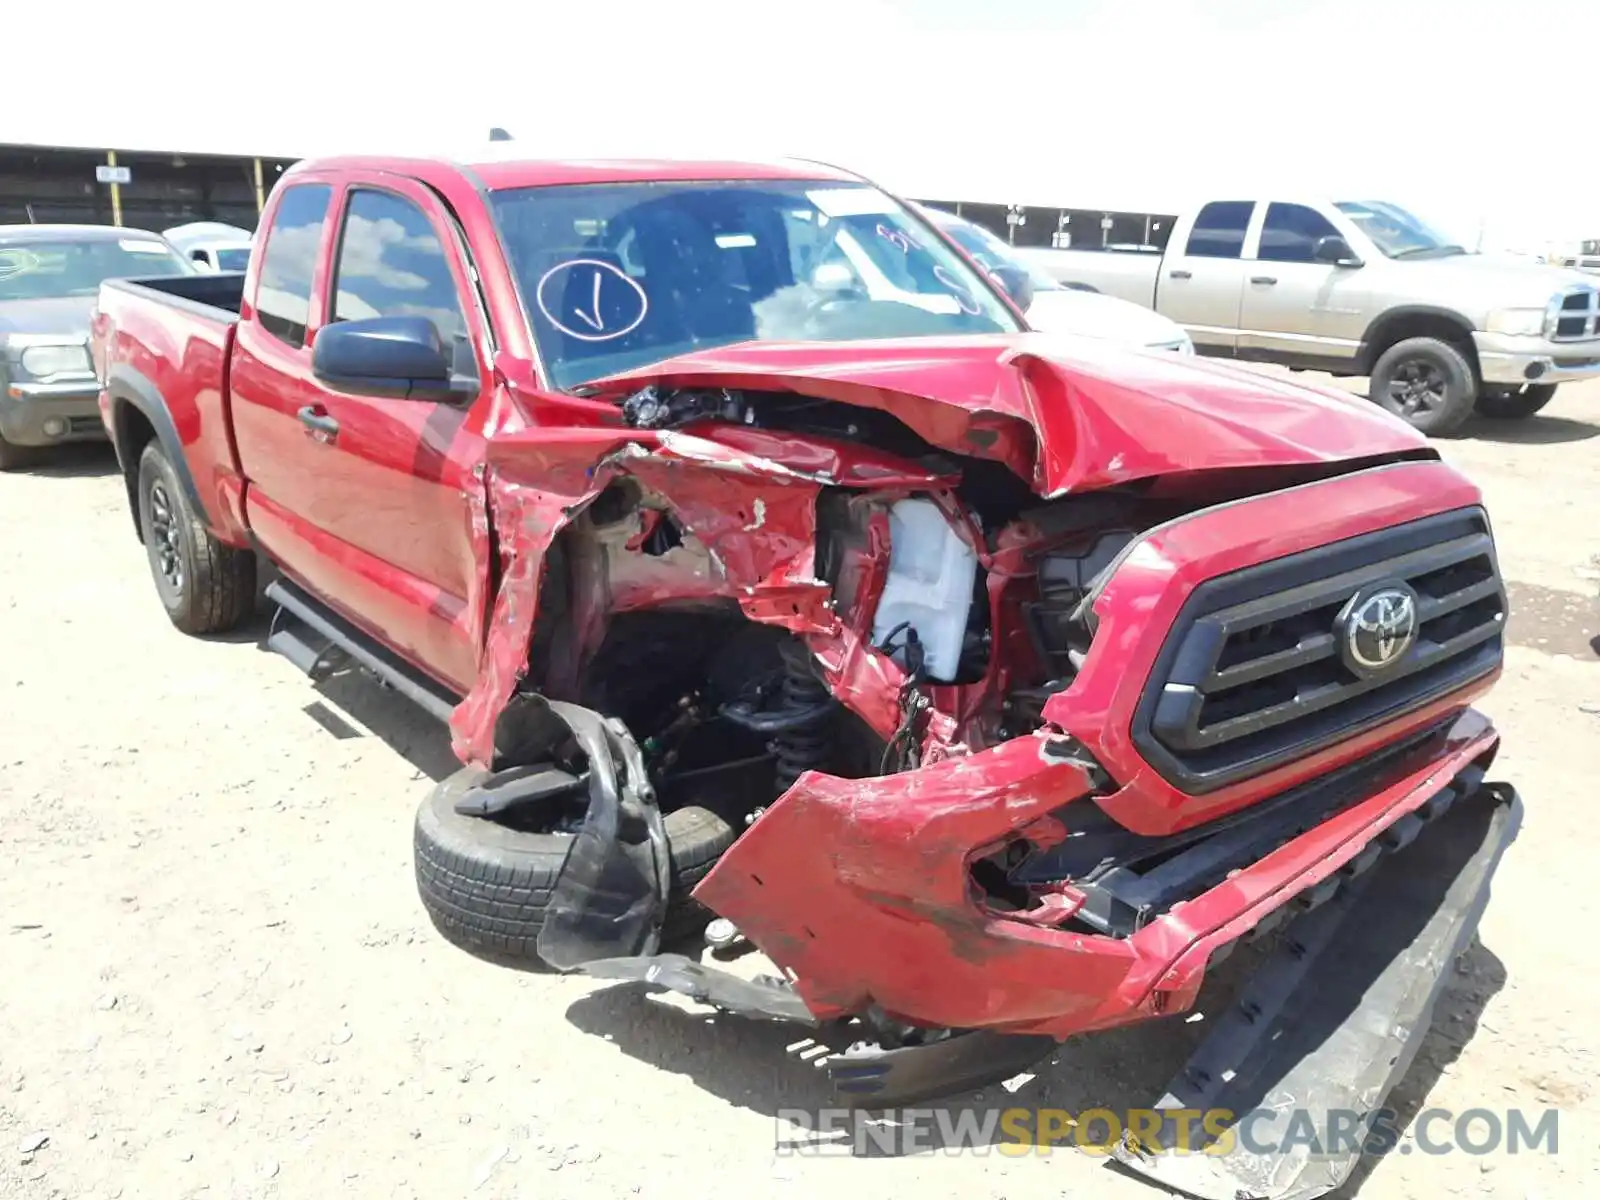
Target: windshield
column 989, row 252
column 233, row 260
column 617, row 276
column 1396, row 232
column 34, row 270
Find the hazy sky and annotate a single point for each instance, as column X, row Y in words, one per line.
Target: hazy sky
column 1468, row 111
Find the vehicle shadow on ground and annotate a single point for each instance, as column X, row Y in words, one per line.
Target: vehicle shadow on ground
column 747, row 1063
column 1534, row 431
column 76, row 460
column 351, row 703
column 416, row 736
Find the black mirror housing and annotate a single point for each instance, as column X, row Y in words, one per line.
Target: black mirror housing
column 401, row 357
column 1335, row 252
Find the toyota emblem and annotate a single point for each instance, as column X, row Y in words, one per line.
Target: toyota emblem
column 1377, row 628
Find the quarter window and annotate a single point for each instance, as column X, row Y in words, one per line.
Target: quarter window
column 1219, row 229
column 1290, row 233
column 283, row 297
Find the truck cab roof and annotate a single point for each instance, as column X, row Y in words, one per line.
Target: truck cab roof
column 500, row 165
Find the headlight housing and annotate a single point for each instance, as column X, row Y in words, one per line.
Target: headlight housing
column 1518, row 322
column 70, row 359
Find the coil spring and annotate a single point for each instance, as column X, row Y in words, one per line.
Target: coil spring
column 806, row 747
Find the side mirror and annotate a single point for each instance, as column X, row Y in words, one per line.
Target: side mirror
column 1335, row 252
column 1014, row 281
column 401, row 357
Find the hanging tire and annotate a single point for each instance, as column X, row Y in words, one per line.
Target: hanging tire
column 1427, row 383
column 486, row 886
column 1514, row 403
column 205, row 586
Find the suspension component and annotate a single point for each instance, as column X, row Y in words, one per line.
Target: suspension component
column 803, row 746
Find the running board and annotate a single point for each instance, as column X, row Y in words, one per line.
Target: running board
column 319, row 641
column 1331, row 1022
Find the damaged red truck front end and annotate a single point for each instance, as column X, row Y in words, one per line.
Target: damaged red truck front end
column 1217, row 669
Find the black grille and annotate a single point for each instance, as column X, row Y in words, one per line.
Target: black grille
column 1579, row 317
column 1257, row 671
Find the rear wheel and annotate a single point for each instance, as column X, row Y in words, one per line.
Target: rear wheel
column 1514, row 403
column 205, row 586
column 1427, row 383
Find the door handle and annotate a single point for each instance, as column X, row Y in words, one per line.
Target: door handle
column 1180, row 274
column 318, row 423
column 1269, row 280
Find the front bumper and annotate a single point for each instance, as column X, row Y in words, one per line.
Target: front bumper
column 887, row 913
column 44, row 414
column 1515, row 361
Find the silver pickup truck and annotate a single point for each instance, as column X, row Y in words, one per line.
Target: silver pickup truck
column 1361, row 288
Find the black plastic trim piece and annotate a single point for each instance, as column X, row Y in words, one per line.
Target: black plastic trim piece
column 428, row 695
column 129, row 387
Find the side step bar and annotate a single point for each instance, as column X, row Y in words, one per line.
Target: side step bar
column 1302, row 1063
column 318, row 641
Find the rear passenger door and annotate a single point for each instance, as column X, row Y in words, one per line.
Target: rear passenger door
column 1202, row 281
column 1295, row 308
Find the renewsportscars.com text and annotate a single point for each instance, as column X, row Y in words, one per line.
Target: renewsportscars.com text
column 1020, row 1131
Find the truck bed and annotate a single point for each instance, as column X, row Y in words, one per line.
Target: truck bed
column 162, row 349
column 1125, row 274
column 221, row 293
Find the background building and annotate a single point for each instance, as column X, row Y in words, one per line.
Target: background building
column 49, row 184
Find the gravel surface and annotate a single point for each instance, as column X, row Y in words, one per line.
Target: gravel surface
column 216, row 980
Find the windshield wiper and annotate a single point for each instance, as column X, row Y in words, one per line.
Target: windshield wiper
column 1437, row 251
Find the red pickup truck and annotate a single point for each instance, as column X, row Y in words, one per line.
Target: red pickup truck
column 766, row 567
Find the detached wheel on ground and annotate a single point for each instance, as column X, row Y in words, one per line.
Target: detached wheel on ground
column 1427, row 383
column 205, row 586
column 486, row 886
column 1514, row 403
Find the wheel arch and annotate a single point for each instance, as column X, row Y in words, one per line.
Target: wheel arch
column 139, row 415
column 1417, row 320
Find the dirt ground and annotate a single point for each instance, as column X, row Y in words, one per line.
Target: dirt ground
column 216, row 980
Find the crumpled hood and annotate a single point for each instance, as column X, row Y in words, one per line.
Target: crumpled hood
column 1068, row 413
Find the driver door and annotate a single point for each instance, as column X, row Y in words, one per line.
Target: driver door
column 369, row 501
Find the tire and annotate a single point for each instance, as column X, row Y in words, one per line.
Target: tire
column 1514, row 403
column 1427, row 383
column 205, row 586
column 486, row 886
column 13, row 456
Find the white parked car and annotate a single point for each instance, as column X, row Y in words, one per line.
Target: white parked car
column 211, row 245
column 1057, row 307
